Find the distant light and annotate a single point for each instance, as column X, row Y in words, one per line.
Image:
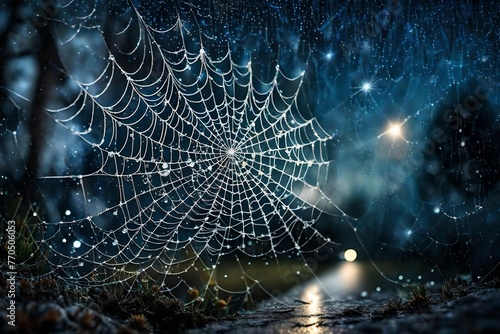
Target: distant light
column 437, row 210
column 409, row 232
column 350, row 255
column 366, row 86
column 67, row 212
column 329, row 55
column 77, row 244
column 395, row 130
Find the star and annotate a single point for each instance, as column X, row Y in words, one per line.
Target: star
column 394, row 130
column 366, row 87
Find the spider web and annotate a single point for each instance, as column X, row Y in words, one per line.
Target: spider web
column 180, row 153
column 189, row 158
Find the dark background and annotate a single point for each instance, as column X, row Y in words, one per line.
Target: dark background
column 430, row 196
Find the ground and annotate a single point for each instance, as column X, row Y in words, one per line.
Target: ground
column 46, row 305
column 467, row 309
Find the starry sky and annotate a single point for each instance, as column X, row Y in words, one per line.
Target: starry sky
column 409, row 92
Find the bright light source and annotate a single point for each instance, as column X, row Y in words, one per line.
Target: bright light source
column 350, row 255
column 395, row 130
column 230, row 152
column 366, row 86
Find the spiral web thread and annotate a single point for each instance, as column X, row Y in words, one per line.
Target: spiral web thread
column 188, row 159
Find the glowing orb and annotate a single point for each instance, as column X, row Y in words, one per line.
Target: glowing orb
column 231, row 152
column 395, row 130
column 350, row 255
column 366, row 86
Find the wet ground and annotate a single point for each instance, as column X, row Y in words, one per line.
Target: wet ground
column 352, row 298
column 349, row 298
column 467, row 309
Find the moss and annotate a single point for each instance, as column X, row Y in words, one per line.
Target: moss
column 151, row 310
column 148, row 309
column 393, row 306
column 352, row 312
column 139, row 322
column 419, row 298
column 453, row 288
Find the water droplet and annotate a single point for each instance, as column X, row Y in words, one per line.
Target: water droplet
column 67, row 212
column 164, row 172
column 77, row 244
